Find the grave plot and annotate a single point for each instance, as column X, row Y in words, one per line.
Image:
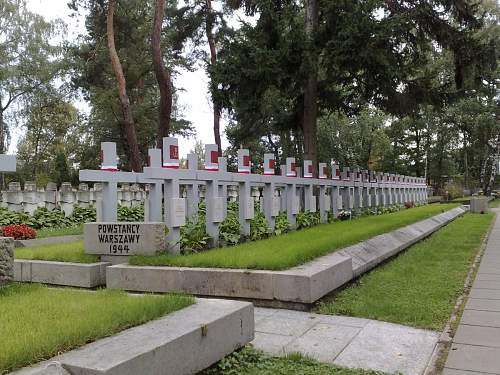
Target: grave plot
column 294, row 287
column 39, row 322
column 59, row 264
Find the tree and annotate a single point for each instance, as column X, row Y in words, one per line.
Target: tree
column 162, row 74
column 53, row 141
column 92, row 74
column 128, row 119
column 28, row 59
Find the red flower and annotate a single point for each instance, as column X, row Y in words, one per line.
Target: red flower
column 18, row 232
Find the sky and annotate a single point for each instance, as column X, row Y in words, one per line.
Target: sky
column 193, row 97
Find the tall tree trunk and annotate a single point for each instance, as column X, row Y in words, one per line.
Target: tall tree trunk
column 2, row 136
column 128, row 120
column 213, row 61
column 309, row 123
column 162, row 74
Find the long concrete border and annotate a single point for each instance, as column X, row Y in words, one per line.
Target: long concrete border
column 184, row 342
column 304, row 284
column 48, row 240
column 83, row 275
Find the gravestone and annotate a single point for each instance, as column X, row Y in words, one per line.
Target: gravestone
column 124, row 239
column 7, row 164
column 30, row 202
column 107, row 237
column 479, row 205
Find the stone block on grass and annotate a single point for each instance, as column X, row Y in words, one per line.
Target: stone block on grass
column 6, row 260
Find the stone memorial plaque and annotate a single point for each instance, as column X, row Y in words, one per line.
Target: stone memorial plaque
column 249, row 209
column 328, row 200
column 295, row 205
column 312, row 203
column 135, row 238
column 276, row 206
column 178, row 212
column 218, row 211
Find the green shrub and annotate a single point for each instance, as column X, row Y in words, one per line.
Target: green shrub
column 193, row 235
column 82, row 215
column 259, row 229
column 281, row 224
column 135, row 213
column 307, row 219
column 229, row 229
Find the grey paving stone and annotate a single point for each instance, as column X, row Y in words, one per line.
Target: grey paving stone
column 329, row 319
column 487, row 277
column 476, row 335
column 478, row 284
column 474, row 358
column 284, row 326
column 485, row 293
column 483, row 304
column 390, row 348
column 323, row 342
column 451, row 371
column 271, row 343
column 485, row 268
column 481, row 318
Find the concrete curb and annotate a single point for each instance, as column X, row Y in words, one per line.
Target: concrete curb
column 184, row 342
column 83, row 275
column 48, row 240
column 304, row 284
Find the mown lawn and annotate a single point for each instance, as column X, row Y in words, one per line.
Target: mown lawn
column 495, row 203
column 297, row 247
column 249, row 361
column 57, row 232
column 420, row 287
column 38, row 322
column 63, row 252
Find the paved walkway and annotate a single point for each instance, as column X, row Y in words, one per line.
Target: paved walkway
column 345, row 341
column 476, row 345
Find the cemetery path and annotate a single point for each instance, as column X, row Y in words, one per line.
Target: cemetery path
column 345, row 341
column 476, row 344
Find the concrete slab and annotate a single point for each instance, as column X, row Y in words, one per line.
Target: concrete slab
column 283, row 326
column 477, row 335
column 272, row 343
column 183, row 342
column 478, row 284
column 346, row 341
column 299, row 285
column 450, row 371
column 487, row 277
column 481, row 318
column 82, row 275
column 483, row 304
column 323, row 342
column 474, row 358
column 485, row 293
column 391, row 348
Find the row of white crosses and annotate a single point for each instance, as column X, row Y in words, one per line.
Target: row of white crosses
column 356, row 189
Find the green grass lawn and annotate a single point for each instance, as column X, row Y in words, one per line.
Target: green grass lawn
column 297, row 247
column 56, row 232
column 420, row 287
column 495, row 203
column 249, row 361
column 62, row 252
column 38, row 322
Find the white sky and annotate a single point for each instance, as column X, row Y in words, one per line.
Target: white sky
column 194, row 98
